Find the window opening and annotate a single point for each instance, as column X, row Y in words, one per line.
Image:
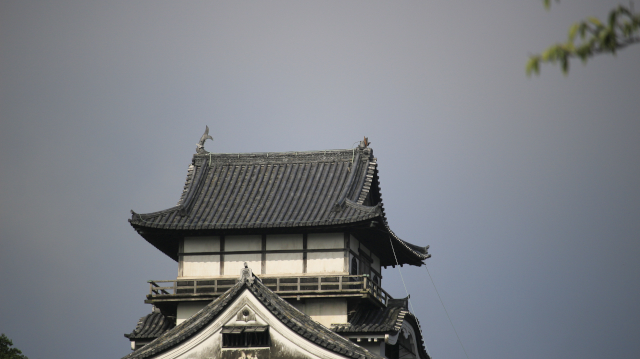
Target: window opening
column 245, row 337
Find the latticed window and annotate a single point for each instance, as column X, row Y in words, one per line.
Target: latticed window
column 245, row 336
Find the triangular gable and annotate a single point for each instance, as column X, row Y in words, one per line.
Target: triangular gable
column 252, row 306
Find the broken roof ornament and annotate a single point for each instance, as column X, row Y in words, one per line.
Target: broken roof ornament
column 200, row 144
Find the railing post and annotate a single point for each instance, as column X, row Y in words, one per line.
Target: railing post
column 365, row 284
column 298, row 284
column 340, row 283
column 278, row 284
column 215, row 288
column 150, row 288
column 175, row 287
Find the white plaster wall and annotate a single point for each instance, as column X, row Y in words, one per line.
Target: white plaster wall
column 284, row 263
column 325, row 240
column 325, row 262
column 201, row 265
column 243, row 243
column 233, row 263
column 201, row 244
column 187, row 309
column 324, row 311
column 284, row 241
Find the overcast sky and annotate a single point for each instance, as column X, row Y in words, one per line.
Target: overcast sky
column 527, row 189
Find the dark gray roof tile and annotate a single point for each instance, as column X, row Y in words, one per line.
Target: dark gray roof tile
column 151, row 326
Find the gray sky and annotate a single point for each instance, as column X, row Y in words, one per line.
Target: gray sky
column 526, row 189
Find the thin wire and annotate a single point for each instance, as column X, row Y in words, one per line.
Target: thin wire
column 445, row 310
column 405, row 287
column 408, row 296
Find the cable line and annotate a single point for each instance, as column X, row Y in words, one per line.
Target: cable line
column 445, row 310
column 408, row 296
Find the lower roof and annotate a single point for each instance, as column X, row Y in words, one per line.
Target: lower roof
column 151, row 326
column 297, row 321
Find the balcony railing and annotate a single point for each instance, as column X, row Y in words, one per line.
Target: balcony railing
column 287, row 287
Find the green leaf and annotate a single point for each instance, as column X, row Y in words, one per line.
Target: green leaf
column 573, row 30
column 613, row 15
column 533, row 66
column 595, row 21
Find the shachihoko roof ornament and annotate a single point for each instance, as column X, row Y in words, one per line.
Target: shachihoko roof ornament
column 200, row 145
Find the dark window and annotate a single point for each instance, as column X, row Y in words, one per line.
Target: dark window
column 245, row 337
column 354, row 266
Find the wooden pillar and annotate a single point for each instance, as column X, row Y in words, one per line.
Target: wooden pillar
column 347, row 246
column 304, row 253
column 181, row 258
column 264, row 255
column 221, row 254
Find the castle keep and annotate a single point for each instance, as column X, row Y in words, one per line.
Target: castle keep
column 279, row 255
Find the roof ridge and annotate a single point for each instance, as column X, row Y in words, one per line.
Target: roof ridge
column 368, row 180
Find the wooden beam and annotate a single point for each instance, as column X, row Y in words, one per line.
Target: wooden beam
column 264, row 254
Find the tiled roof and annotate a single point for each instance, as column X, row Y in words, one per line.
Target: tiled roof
column 286, row 190
column 151, row 326
column 265, row 190
column 371, row 319
column 281, row 309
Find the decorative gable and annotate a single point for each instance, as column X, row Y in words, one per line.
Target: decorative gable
column 250, row 321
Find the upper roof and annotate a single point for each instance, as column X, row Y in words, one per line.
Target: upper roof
column 319, row 190
column 281, row 309
column 258, row 190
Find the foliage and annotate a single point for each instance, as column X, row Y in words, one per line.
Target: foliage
column 621, row 30
column 6, row 352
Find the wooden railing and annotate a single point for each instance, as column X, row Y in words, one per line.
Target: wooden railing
column 284, row 286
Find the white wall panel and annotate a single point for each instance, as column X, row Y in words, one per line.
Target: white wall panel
column 201, row 244
column 284, row 263
column 187, row 309
column 325, row 240
column 233, row 263
column 201, row 266
column 242, row 243
column 284, row 241
column 325, row 262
